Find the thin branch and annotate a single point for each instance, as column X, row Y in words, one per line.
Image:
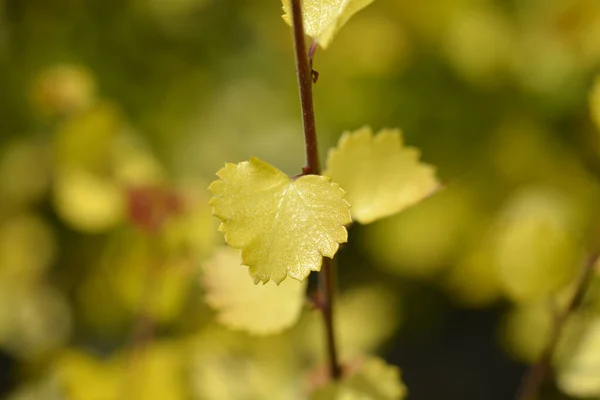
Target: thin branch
column 327, row 289
column 306, row 97
column 305, row 81
column 537, row 373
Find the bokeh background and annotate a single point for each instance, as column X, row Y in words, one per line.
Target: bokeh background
column 116, row 114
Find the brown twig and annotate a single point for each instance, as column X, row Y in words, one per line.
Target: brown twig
column 536, row 375
column 306, row 97
column 327, row 289
column 305, row 81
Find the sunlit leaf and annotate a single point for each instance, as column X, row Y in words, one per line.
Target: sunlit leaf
column 324, row 18
column 283, row 226
column 380, row 174
column 373, row 380
column 240, row 304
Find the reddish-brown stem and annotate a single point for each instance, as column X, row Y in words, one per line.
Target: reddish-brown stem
column 327, row 290
column 536, row 375
column 305, row 81
column 303, row 71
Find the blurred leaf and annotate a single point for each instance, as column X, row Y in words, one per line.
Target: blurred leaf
column 47, row 388
column 86, row 140
column 594, row 102
column 479, row 43
column 27, row 248
column 194, row 230
column 63, row 89
column 146, row 279
column 33, row 320
column 324, row 18
column 526, row 329
column 240, row 304
column 536, row 251
column 86, row 201
column 380, row 175
column 422, row 241
column 24, row 172
column 577, row 369
column 373, row 380
column 154, row 373
column 283, row 226
column 474, row 281
column 84, row 376
column 229, row 365
column 385, row 47
column 133, row 163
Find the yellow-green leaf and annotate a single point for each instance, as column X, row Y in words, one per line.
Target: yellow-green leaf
column 374, row 380
column 258, row 309
column 324, row 18
column 283, row 226
column 380, row 174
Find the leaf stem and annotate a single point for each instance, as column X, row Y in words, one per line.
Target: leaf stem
column 536, row 375
column 305, row 82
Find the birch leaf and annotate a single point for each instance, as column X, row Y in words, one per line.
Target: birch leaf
column 284, row 226
column 380, row 174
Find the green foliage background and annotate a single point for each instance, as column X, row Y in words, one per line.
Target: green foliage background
column 115, row 115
